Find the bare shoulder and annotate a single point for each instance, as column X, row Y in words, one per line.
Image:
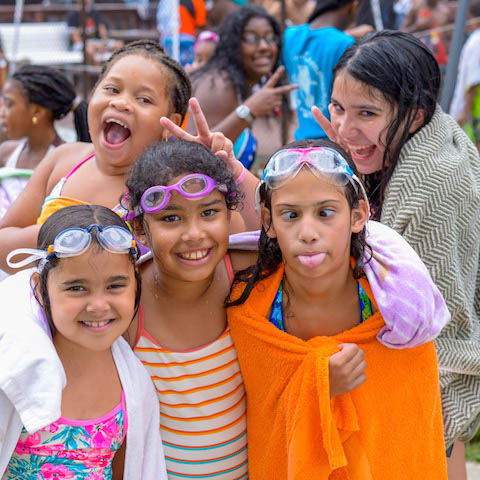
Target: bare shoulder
column 64, row 158
column 242, row 259
column 6, row 149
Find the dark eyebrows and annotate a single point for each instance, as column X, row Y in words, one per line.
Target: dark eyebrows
column 141, row 88
column 359, row 107
column 201, row 205
column 317, row 204
column 209, row 204
column 118, row 278
column 75, row 281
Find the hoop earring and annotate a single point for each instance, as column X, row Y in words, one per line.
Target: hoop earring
column 34, row 120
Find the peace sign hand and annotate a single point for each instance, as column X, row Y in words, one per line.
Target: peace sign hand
column 217, row 142
column 269, row 96
column 328, row 128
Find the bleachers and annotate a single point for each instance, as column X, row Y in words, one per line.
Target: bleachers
column 39, row 43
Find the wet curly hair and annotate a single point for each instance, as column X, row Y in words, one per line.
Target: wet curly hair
column 164, row 161
column 228, row 55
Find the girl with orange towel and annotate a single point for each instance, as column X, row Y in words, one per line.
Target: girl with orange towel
column 306, row 295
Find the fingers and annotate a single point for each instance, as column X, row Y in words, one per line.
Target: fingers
column 323, row 121
column 218, row 141
column 285, row 88
column 175, row 129
column 277, row 75
column 203, row 130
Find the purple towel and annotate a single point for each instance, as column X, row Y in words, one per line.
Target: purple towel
column 412, row 307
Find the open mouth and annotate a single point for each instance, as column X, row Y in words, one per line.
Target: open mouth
column 115, row 132
column 362, row 152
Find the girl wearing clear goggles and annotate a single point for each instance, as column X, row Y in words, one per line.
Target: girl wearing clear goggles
column 306, row 297
column 75, row 241
column 324, row 162
column 88, row 293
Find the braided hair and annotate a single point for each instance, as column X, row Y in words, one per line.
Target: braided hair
column 51, row 89
column 180, row 86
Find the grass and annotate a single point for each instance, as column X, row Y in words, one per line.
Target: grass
column 472, row 449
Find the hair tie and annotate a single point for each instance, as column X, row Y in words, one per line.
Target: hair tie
column 75, row 103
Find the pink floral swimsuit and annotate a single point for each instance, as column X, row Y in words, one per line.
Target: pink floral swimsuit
column 70, row 449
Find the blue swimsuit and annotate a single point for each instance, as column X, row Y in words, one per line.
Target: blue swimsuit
column 276, row 317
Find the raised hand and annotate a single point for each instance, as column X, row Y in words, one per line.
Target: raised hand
column 269, row 96
column 217, row 142
column 346, row 369
column 328, row 128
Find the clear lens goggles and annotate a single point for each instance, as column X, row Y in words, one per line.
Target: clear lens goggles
column 75, row 241
column 195, row 185
column 322, row 161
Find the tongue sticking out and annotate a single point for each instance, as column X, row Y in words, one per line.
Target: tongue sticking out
column 312, row 261
column 115, row 133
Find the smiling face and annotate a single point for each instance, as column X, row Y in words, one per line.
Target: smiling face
column 16, row 112
column 189, row 237
column 313, row 224
column 92, row 298
column 125, row 110
column 361, row 119
column 258, row 57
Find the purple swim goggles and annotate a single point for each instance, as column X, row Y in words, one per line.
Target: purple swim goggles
column 195, row 185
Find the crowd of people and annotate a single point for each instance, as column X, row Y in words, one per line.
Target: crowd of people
column 260, row 264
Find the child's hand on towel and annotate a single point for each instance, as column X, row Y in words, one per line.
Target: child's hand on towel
column 346, row 369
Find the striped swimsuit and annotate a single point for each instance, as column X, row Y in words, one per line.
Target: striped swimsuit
column 202, row 407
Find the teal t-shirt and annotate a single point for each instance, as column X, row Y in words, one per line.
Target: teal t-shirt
column 309, row 55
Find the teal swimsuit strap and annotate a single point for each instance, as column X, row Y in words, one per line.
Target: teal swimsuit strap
column 276, row 316
column 366, row 308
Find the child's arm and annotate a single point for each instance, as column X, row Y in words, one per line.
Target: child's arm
column 18, row 227
column 222, row 147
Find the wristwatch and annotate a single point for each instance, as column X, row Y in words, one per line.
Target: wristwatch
column 244, row 113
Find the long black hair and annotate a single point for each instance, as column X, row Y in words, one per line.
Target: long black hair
column 228, row 55
column 76, row 216
column 51, row 89
column 269, row 253
column 406, row 74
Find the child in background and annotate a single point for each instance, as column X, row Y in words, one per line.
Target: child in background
column 89, row 291
column 139, row 84
column 204, row 48
column 289, row 313
column 32, row 99
column 466, row 98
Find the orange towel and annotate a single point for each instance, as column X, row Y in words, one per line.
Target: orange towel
column 389, row 428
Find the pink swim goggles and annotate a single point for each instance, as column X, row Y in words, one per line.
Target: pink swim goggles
column 193, row 186
column 322, row 161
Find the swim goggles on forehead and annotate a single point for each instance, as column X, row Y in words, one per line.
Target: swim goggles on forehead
column 75, row 241
column 195, row 185
column 285, row 165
